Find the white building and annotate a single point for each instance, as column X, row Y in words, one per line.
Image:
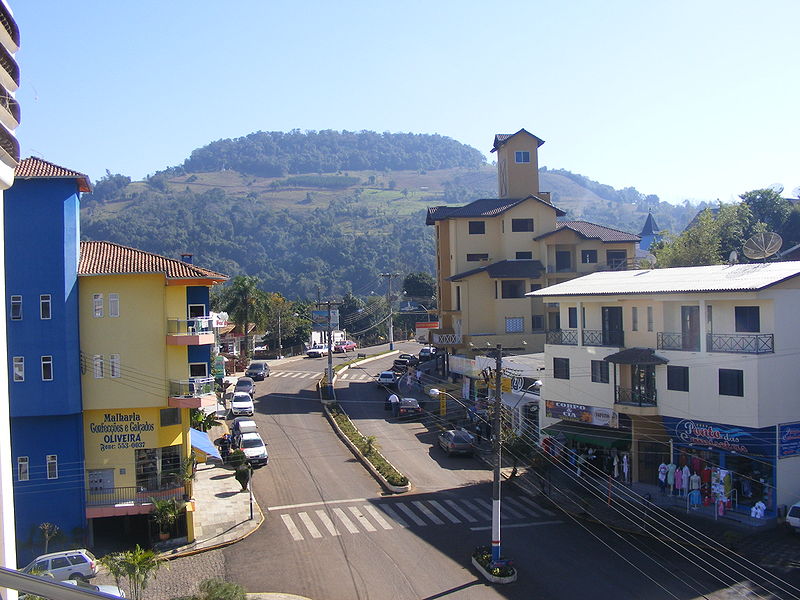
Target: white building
column 694, row 365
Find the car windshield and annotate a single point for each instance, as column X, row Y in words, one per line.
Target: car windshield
column 460, row 436
column 251, row 443
column 242, row 401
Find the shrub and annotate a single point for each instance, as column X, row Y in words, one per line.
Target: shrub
column 219, row 589
column 483, row 554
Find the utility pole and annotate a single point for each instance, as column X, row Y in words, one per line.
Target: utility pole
column 330, row 354
column 280, row 341
column 390, row 276
column 497, row 451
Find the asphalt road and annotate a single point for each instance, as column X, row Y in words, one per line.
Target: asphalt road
column 331, row 533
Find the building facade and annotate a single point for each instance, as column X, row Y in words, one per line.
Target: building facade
column 42, row 323
column 146, row 340
column 692, row 367
column 491, row 252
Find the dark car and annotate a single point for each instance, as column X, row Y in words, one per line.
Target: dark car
column 409, row 407
column 456, row 441
column 245, row 384
column 427, row 354
column 258, row 370
column 409, row 359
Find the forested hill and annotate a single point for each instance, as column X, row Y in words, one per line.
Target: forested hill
column 333, row 229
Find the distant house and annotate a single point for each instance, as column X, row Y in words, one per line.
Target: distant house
column 649, row 233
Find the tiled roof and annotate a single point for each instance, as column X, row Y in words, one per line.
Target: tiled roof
column 502, row 138
column 506, row 269
column 678, row 280
column 636, row 356
column 592, row 231
column 107, row 258
column 36, row 168
column 483, row 208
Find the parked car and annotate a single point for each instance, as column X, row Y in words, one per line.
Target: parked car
column 406, row 360
column 69, row 564
column 387, row 378
column 242, row 425
column 246, row 385
column 793, row 517
column 258, row 370
column 409, row 407
column 345, row 346
column 456, row 441
column 427, row 354
column 254, row 449
column 242, row 404
column 106, row 589
column 317, row 351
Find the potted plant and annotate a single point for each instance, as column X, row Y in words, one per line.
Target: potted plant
column 165, row 514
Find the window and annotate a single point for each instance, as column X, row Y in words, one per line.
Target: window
column 513, row 288
column 747, row 319
column 458, row 297
column 198, row 369
column 52, row 466
column 677, row 378
column 599, row 371
column 45, row 307
column 537, row 322
column 97, row 362
column 23, row 470
column 157, row 467
column 561, row 368
column 170, row 416
column 616, row 259
column 16, row 308
column 113, row 305
column 731, row 382
column 524, row 255
column 19, row 368
column 477, row 227
column 515, row 324
column 649, row 318
column 522, row 156
column 477, row 257
column 521, row 224
column 572, row 317
column 97, row 305
column 47, row 368
column 113, row 365
column 59, row 562
column 588, row 256
column 634, row 318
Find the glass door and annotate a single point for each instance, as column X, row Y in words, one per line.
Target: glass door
column 690, row 328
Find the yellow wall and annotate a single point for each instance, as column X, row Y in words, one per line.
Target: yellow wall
column 521, row 180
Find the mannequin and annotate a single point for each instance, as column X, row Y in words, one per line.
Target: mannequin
column 662, row 478
column 616, row 466
column 625, row 467
column 685, row 480
column 678, row 482
column 694, row 482
column 671, row 468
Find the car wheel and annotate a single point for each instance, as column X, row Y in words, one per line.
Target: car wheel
column 77, row 577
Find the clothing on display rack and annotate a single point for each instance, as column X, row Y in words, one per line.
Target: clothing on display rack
column 694, row 482
column 662, row 477
column 625, row 467
column 678, row 481
column 671, row 468
column 685, row 480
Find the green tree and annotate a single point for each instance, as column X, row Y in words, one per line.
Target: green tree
column 49, row 531
column 420, row 285
column 201, row 420
column 735, row 224
column 698, row 245
column 245, row 304
column 166, row 513
column 134, row 567
column 768, row 207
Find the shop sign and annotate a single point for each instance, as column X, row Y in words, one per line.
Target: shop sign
column 590, row 415
column 729, row 438
column 121, row 431
column 788, row 440
column 464, row 366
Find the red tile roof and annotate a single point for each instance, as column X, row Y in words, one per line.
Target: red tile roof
column 592, row 231
column 36, row 168
column 107, row 258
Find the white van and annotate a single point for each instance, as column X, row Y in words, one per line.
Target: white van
column 793, row 516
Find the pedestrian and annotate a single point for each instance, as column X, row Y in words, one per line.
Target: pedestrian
column 225, row 447
column 395, row 402
column 478, row 436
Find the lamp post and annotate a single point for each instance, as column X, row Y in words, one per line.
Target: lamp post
column 497, row 450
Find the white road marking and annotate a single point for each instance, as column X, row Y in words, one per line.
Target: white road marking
column 486, row 514
column 427, row 512
column 487, row 527
column 410, row 514
column 452, row 504
column 326, row 521
column 377, row 516
column 530, row 502
column 312, row 529
column 293, row 530
column 361, row 518
column 393, row 515
column 320, row 503
column 522, row 507
column 348, row 524
column 445, row 512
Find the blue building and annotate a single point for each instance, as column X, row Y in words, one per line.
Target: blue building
column 42, row 229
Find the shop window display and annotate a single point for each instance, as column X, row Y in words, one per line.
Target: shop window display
column 158, row 468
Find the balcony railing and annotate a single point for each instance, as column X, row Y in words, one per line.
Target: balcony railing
column 193, row 326
column 447, row 339
column 134, row 495
column 600, row 337
column 741, row 343
column 192, row 387
column 738, row 343
column 632, row 397
column 562, row 337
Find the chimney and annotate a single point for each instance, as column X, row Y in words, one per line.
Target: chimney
column 186, row 257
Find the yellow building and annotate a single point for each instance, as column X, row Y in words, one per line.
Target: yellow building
column 146, row 341
column 491, row 252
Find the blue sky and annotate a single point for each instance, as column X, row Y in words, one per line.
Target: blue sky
column 686, row 100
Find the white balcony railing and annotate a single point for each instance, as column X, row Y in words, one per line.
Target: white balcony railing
column 192, row 387
column 193, row 326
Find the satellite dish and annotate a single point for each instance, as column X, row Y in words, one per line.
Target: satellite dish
column 796, row 192
column 733, row 257
column 775, row 187
column 762, row 245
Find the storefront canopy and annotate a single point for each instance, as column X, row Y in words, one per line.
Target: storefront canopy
column 587, row 434
column 201, row 442
column 636, row 356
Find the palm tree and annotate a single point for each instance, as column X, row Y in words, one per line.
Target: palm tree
column 245, row 303
column 166, row 513
column 135, row 567
column 201, row 420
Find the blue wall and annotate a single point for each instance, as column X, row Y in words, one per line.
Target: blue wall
column 196, row 294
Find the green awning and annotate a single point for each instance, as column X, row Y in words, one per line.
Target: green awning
column 589, row 434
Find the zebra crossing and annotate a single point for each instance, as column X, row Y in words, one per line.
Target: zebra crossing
column 359, row 515
column 354, row 376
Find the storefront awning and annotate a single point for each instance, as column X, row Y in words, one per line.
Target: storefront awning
column 587, row 434
column 636, row 356
column 201, row 442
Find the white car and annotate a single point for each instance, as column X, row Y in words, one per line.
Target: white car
column 387, row 378
column 317, row 351
column 106, row 589
column 242, row 404
column 69, row 564
column 254, row 449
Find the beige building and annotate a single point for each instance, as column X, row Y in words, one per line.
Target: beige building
column 692, row 366
column 493, row 251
